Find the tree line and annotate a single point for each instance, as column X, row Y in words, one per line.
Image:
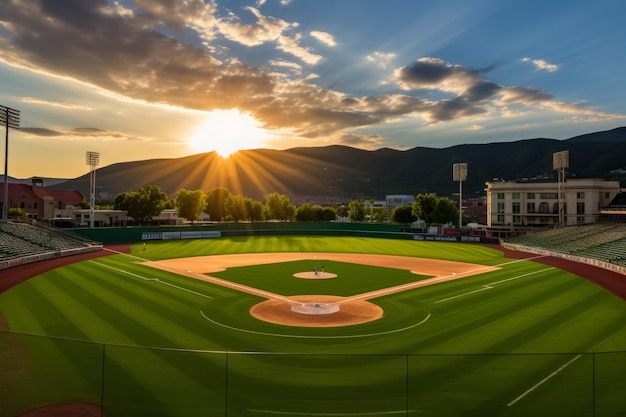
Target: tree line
column 221, row 205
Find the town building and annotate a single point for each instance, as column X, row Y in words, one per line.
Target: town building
column 38, row 202
column 521, row 205
column 396, row 200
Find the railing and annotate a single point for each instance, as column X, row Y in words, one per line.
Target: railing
column 112, row 380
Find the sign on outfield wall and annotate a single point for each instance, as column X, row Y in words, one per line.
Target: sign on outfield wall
column 180, row 235
column 151, row 236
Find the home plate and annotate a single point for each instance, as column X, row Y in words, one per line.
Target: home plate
column 315, row 308
column 313, row 275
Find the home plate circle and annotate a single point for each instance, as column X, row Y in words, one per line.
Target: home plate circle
column 313, row 275
column 333, row 311
column 315, row 308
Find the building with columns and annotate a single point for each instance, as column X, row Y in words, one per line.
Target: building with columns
column 518, row 205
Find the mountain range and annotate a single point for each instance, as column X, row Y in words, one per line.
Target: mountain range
column 333, row 174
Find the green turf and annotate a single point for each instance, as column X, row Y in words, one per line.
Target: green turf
column 466, row 347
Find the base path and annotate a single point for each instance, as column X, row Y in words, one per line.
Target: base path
column 352, row 310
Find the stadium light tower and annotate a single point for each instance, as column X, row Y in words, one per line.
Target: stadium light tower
column 560, row 161
column 459, row 173
column 10, row 119
column 93, row 159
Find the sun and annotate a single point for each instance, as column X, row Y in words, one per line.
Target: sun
column 228, row 131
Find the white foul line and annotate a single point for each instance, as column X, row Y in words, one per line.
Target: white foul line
column 489, row 286
column 152, row 279
column 538, row 384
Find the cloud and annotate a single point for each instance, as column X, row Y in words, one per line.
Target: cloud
column 472, row 95
column 382, row 59
column 127, row 53
column 33, row 100
column 80, row 133
column 540, row 64
column 265, row 29
column 324, row 37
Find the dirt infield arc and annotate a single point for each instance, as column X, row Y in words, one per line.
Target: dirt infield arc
column 352, row 310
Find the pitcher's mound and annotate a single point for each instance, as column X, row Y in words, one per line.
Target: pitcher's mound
column 350, row 312
column 313, row 275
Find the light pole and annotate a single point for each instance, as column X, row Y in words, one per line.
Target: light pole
column 459, row 173
column 560, row 161
column 9, row 118
column 93, row 159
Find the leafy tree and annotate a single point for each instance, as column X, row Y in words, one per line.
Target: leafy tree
column 255, row 209
column 118, row 203
column 279, row 207
column 328, row 214
column 240, row 208
column 17, row 213
column 215, row 200
column 145, row 203
column 424, row 207
column 403, row 215
column 308, row 213
column 446, row 211
column 189, row 204
column 356, row 211
column 379, row 215
column 342, row 211
column 236, row 208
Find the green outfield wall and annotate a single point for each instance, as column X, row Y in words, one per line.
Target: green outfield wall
column 136, row 234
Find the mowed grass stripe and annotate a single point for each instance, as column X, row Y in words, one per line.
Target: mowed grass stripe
column 138, row 317
column 262, row 244
column 153, row 284
column 492, row 322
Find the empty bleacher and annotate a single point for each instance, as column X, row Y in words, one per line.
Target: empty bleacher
column 23, row 241
column 602, row 241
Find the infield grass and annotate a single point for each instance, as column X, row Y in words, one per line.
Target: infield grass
column 467, row 347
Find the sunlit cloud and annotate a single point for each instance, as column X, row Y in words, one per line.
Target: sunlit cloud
column 324, row 37
column 382, row 59
column 291, row 45
column 541, row 64
column 265, row 29
column 33, row 100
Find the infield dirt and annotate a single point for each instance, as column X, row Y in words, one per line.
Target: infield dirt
column 353, row 310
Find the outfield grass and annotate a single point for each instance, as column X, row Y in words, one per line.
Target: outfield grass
column 465, row 347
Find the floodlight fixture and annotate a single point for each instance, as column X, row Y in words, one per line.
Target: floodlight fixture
column 10, row 119
column 92, row 159
column 459, row 173
column 560, row 161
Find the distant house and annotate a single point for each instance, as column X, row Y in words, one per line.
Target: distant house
column 38, row 202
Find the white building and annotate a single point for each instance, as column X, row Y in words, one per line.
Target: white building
column 393, row 201
column 513, row 205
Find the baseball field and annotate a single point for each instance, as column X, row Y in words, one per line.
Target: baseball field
column 311, row 326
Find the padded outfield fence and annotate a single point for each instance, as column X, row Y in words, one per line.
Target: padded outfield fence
column 375, row 230
column 132, row 381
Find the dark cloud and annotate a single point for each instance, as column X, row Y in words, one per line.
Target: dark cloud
column 456, row 108
column 426, row 72
column 38, row 131
column 481, row 90
column 80, row 132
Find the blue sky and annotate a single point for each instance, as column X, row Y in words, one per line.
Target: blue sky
column 144, row 79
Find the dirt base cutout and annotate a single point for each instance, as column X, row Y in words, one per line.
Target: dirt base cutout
column 350, row 312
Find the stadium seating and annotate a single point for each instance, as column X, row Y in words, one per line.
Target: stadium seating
column 602, row 241
column 19, row 240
